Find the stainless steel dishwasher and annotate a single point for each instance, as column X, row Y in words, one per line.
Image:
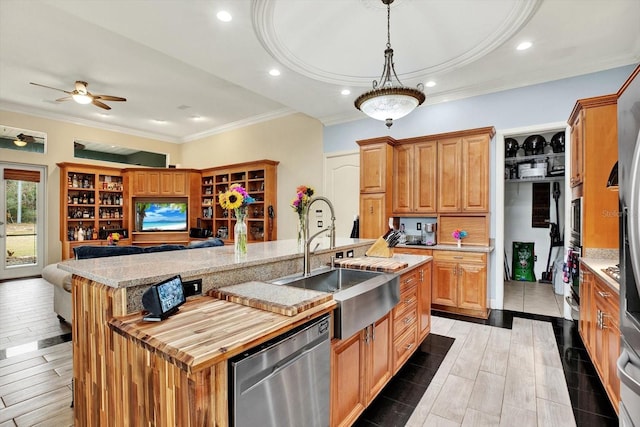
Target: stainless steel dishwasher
column 285, row 381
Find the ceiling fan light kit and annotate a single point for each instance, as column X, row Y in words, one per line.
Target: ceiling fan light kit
column 82, row 96
column 389, row 100
column 22, row 140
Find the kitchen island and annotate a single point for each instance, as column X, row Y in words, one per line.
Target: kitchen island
column 105, row 291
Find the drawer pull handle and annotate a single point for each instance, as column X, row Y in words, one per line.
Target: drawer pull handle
column 604, row 294
column 458, row 257
column 408, row 301
column 409, row 346
column 409, row 280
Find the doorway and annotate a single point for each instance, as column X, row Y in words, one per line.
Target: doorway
column 22, row 225
column 519, row 217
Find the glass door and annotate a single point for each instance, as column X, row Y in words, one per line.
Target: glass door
column 22, row 234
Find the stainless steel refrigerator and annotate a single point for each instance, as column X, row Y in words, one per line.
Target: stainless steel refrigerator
column 629, row 191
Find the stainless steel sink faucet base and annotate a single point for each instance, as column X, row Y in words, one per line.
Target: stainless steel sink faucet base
column 308, row 239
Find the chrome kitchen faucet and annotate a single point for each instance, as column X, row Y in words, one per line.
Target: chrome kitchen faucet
column 331, row 229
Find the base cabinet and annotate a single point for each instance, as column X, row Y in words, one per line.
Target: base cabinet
column 363, row 364
column 599, row 327
column 459, row 282
column 360, row 368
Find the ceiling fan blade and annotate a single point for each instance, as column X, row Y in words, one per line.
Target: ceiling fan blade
column 109, row 98
column 100, row 104
column 49, row 87
column 64, row 98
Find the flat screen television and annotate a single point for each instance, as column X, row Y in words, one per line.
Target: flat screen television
column 163, row 299
column 161, row 215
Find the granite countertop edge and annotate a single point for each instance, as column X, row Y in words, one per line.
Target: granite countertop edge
column 463, row 248
column 596, row 265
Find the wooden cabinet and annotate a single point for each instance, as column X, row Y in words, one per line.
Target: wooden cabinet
column 463, row 174
column 423, row 291
column 459, row 282
column 259, row 178
column 373, row 221
column 600, row 329
column 405, row 319
column 93, row 200
column 360, row 368
column 376, row 159
column 594, row 151
column 415, row 177
column 159, row 182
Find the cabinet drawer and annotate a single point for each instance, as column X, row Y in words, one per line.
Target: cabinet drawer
column 609, row 299
column 408, row 301
column 409, row 279
column 456, row 256
column 408, row 319
column 404, row 346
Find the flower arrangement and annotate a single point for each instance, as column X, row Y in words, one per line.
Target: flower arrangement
column 237, row 198
column 300, row 204
column 113, row 238
column 459, row 235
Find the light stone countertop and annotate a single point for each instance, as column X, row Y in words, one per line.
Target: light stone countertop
column 147, row 268
column 463, row 248
column 597, row 265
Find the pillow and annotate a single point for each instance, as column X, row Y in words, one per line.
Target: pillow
column 163, row 248
column 86, row 252
column 211, row 242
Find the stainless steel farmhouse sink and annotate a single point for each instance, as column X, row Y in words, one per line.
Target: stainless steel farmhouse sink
column 362, row 296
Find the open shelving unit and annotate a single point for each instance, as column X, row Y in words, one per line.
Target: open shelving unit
column 513, row 162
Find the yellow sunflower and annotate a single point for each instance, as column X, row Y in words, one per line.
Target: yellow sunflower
column 231, row 199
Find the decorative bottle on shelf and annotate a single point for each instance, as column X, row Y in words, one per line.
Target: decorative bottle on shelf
column 240, row 232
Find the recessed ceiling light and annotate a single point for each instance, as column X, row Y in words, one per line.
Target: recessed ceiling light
column 160, row 122
column 524, row 45
column 197, row 118
column 274, row 72
column 224, row 16
column 345, row 92
column 103, row 114
column 430, row 83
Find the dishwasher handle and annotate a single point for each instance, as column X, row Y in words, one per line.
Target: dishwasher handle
column 276, row 368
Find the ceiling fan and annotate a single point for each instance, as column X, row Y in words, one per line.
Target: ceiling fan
column 82, row 96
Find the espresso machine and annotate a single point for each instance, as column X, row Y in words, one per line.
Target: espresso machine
column 429, row 237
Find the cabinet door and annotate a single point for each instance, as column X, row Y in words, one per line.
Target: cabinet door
column 612, row 344
column 472, row 286
column 586, row 323
column 577, row 153
column 475, row 174
column 425, row 177
column 444, row 289
column 379, row 355
column 372, row 216
column 347, row 387
column 424, row 302
column 173, row 183
column 449, row 175
column 140, row 183
column 403, row 179
column 373, row 168
column 153, row 183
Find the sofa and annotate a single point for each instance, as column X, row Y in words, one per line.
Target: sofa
column 61, row 280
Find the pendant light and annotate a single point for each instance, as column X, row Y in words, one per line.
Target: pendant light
column 389, row 99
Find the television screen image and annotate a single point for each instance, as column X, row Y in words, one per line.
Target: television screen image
column 161, row 216
column 171, row 294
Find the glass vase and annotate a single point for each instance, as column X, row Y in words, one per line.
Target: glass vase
column 240, row 232
column 301, row 229
column 459, row 243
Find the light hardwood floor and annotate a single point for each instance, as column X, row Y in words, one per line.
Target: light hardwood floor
column 533, row 297
column 35, row 368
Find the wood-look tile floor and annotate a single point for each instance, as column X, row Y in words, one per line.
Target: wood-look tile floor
column 533, row 297
column 497, row 377
column 36, row 364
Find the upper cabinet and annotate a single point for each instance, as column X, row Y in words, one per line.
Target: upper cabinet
column 375, row 161
column 160, row 182
column 463, row 173
column 594, row 151
column 414, row 177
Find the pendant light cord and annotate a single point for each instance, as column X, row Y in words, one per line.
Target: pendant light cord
column 388, row 25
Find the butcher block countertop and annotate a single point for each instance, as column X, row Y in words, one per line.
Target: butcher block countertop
column 207, row 330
